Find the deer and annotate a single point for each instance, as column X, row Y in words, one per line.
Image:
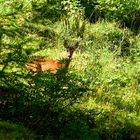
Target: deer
column 47, row 64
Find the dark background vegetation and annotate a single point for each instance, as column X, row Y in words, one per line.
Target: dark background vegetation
column 98, row 97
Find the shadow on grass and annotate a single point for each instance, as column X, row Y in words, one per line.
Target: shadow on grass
column 46, row 106
column 40, row 105
column 10, row 131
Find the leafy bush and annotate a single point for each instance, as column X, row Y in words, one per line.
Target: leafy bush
column 127, row 12
column 46, row 9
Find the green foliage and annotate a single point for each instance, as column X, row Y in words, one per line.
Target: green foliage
column 47, row 9
column 10, row 131
column 127, row 12
column 136, row 47
column 74, row 24
column 109, row 35
column 98, row 97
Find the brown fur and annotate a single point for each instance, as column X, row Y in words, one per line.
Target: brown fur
column 45, row 64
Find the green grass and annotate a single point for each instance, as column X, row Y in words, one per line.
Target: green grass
column 10, row 131
column 99, row 99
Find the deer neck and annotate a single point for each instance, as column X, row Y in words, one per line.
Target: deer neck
column 67, row 62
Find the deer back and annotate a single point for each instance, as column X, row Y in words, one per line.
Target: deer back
column 45, row 64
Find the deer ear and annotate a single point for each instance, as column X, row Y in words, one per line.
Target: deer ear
column 76, row 45
column 65, row 43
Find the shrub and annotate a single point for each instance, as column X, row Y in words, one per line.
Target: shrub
column 127, row 12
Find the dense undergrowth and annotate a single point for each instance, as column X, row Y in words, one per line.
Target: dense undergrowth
column 97, row 98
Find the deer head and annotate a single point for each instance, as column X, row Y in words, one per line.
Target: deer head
column 70, row 50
